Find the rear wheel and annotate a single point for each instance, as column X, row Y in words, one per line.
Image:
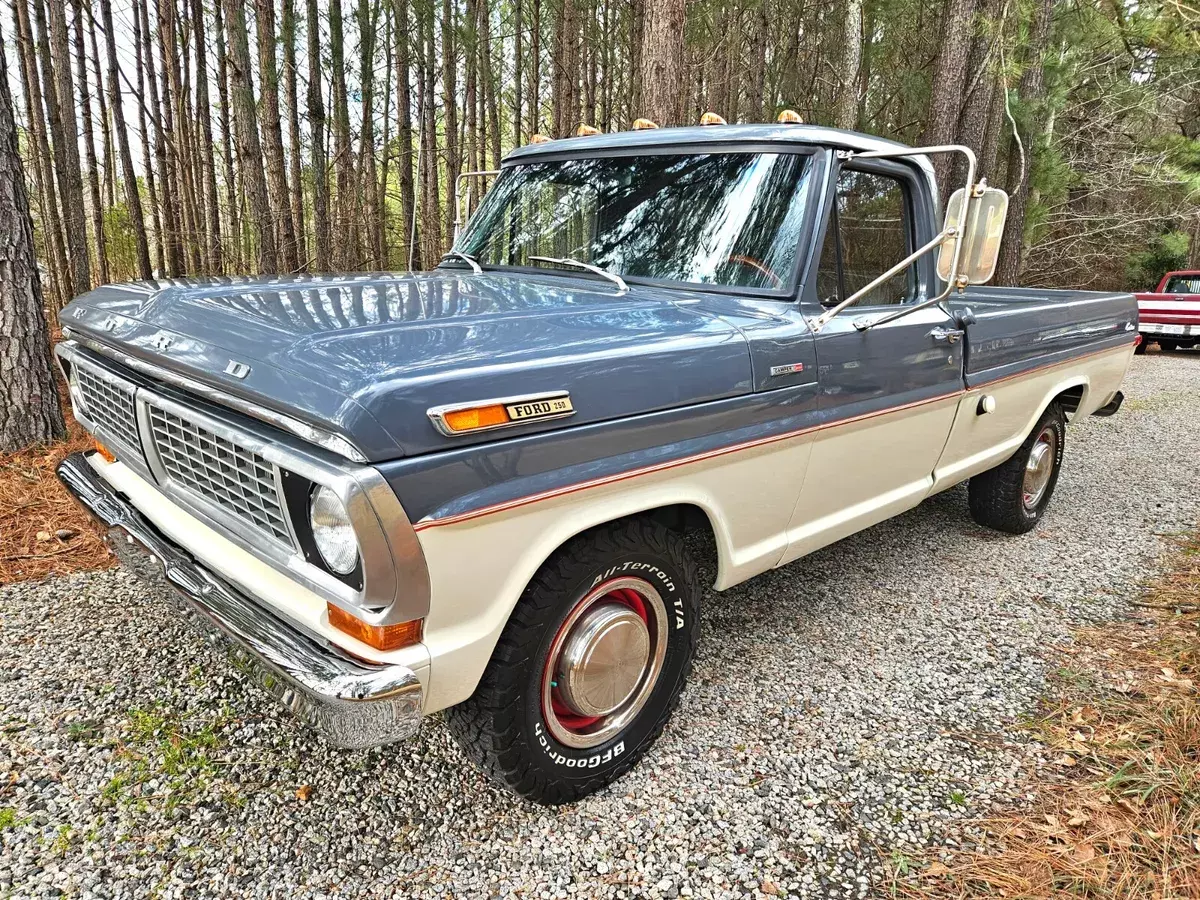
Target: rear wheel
column 1168, row 346
column 590, row 665
column 1012, row 496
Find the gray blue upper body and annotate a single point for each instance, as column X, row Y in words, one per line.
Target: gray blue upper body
column 663, row 371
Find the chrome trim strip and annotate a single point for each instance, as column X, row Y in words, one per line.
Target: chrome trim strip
column 437, row 414
column 336, row 443
column 353, row 703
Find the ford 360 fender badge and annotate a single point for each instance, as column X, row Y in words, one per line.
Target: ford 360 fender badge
column 500, row 412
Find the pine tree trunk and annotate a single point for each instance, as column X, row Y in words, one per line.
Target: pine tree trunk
column 144, row 130
column 110, row 162
column 245, row 121
column 662, row 61
column 55, row 53
column 232, row 194
column 322, row 237
column 518, row 34
column 404, row 134
column 450, row 112
column 489, row 86
column 29, row 410
column 949, row 81
column 208, row 149
column 346, row 241
column 431, row 227
column 1032, row 91
column 367, row 174
column 272, row 137
column 133, row 200
column 89, row 146
column 43, row 166
column 295, row 176
column 171, row 263
column 846, row 113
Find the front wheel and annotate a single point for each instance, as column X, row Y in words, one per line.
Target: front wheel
column 1012, row 496
column 590, row 665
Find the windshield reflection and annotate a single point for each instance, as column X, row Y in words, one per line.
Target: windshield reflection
column 729, row 219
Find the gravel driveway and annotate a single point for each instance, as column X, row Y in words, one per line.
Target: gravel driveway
column 851, row 708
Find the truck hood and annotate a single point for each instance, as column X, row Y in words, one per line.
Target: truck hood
column 366, row 356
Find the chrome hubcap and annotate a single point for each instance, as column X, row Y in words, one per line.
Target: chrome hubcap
column 604, row 662
column 1039, row 467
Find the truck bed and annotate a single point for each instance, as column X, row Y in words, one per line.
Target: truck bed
column 1017, row 329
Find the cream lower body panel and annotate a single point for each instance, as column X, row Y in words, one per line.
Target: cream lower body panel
column 479, row 567
column 290, row 599
column 979, row 442
column 868, row 470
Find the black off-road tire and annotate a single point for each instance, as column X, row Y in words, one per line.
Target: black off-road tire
column 502, row 726
column 996, row 497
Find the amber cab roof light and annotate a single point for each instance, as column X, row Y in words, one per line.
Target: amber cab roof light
column 790, row 117
column 711, row 118
column 585, row 130
column 539, row 139
column 643, row 124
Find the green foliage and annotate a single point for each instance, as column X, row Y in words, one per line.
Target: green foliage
column 1164, row 253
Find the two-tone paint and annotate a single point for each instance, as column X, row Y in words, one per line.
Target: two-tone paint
column 726, row 403
column 1170, row 315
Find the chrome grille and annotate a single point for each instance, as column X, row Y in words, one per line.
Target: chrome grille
column 237, row 480
column 109, row 405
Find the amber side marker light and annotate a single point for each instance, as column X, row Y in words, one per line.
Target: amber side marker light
column 476, row 417
column 381, row 637
column 105, row 454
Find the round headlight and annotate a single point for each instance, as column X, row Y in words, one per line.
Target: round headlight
column 332, row 532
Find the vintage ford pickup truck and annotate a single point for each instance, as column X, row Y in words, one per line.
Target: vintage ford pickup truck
column 1170, row 314
column 468, row 490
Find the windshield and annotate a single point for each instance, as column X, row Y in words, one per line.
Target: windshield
column 731, row 219
column 1183, row 284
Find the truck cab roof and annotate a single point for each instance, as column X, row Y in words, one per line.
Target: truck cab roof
column 704, row 136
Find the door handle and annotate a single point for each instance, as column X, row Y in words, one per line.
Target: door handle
column 949, row 335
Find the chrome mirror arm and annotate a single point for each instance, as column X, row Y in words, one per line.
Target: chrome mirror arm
column 863, row 324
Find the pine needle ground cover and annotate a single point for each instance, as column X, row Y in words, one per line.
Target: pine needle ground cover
column 1116, row 813
column 43, row 531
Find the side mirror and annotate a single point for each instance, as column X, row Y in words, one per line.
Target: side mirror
column 981, row 233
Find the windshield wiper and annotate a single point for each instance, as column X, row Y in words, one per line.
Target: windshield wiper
column 615, row 279
column 465, row 257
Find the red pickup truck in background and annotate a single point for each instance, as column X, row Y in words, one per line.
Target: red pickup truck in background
column 1171, row 314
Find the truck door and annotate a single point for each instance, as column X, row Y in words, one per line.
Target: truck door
column 888, row 394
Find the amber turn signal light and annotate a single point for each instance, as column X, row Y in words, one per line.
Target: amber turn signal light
column 105, row 453
column 476, row 417
column 381, row 637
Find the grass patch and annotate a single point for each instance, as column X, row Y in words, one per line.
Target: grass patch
column 180, row 755
column 1118, row 815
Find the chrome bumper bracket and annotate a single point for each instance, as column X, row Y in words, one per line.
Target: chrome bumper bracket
column 353, row 703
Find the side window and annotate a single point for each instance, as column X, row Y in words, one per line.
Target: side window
column 870, row 232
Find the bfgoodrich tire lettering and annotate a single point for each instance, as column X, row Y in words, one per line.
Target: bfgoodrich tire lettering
column 998, row 497
column 504, row 726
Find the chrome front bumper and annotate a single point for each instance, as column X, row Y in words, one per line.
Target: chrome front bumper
column 353, row 703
